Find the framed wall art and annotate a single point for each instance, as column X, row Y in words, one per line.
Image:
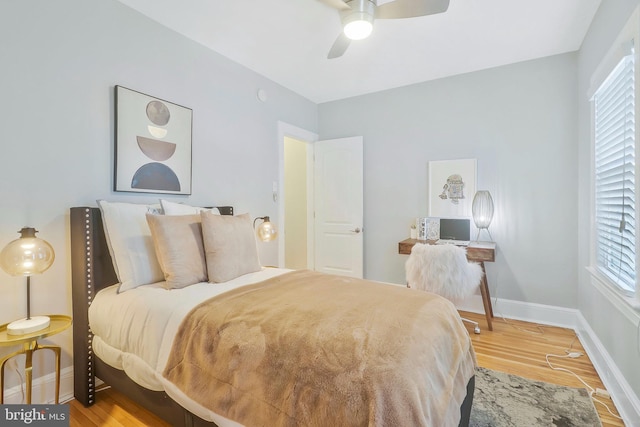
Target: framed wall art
column 152, row 144
column 452, row 185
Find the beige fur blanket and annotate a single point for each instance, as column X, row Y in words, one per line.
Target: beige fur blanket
column 310, row 349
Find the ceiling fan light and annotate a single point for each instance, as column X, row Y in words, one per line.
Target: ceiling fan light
column 357, row 23
column 358, row 30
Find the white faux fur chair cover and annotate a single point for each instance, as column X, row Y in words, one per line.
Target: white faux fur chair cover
column 443, row 270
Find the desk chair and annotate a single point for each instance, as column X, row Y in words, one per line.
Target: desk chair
column 443, row 270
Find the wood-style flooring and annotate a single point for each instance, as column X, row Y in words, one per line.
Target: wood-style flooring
column 515, row 347
column 520, row 348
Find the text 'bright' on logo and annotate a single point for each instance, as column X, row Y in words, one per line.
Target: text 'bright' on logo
column 42, row 415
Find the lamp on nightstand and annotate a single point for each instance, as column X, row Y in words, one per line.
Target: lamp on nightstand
column 266, row 231
column 27, row 256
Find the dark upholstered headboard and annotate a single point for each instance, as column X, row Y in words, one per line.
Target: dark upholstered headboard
column 91, row 270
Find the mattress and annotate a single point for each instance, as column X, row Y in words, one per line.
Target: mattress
column 133, row 335
column 134, row 331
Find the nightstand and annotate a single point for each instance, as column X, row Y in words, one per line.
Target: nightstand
column 30, row 344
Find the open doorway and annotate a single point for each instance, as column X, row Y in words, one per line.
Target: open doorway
column 321, row 202
column 297, row 182
column 295, row 246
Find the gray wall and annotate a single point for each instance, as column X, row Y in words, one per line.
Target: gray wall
column 527, row 124
column 519, row 122
column 618, row 332
column 60, row 62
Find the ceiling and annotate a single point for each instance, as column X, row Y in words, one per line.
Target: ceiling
column 287, row 41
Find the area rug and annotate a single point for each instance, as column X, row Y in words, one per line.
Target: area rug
column 505, row 400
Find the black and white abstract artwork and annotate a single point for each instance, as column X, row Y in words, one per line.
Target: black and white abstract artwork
column 153, row 144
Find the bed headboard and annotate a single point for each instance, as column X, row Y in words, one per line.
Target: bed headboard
column 91, row 270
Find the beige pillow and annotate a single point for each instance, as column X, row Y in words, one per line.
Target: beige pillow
column 230, row 246
column 178, row 243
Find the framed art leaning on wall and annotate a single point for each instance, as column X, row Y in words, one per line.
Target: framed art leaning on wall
column 152, row 144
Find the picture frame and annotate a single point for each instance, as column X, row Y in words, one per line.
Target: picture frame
column 428, row 228
column 452, row 185
column 153, row 144
column 433, row 229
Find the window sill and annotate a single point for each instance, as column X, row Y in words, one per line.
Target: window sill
column 629, row 306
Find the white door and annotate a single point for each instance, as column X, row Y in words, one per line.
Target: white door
column 338, row 203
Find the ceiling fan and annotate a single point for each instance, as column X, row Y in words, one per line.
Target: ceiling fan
column 357, row 17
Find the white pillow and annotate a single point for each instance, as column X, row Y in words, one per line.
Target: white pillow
column 130, row 243
column 172, row 208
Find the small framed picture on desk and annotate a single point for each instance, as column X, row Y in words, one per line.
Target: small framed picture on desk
column 428, row 228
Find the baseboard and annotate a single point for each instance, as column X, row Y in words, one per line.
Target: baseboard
column 622, row 394
column 528, row 312
column 43, row 390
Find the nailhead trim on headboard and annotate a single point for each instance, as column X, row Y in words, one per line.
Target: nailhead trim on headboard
column 91, row 270
column 83, row 223
column 90, row 382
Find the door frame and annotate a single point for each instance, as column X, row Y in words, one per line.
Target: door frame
column 308, row 137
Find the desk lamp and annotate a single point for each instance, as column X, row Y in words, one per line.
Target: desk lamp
column 266, row 231
column 27, row 256
column 482, row 210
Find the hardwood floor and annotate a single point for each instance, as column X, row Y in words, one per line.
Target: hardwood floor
column 520, row 348
column 515, row 347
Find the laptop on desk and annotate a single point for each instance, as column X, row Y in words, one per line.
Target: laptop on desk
column 454, row 231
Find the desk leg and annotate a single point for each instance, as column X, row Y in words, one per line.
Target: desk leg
column 486, row 298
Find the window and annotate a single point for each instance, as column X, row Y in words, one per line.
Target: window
column 615, row 201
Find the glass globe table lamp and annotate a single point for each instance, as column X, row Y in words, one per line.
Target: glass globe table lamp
column 266, row 231
column 27, row 256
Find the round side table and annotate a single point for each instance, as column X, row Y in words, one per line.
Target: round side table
column 30, row 344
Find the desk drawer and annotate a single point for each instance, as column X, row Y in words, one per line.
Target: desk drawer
column 481, row 254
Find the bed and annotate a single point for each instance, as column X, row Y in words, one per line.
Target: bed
column 145, row 367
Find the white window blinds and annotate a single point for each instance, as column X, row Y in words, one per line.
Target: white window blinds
column 615, row 200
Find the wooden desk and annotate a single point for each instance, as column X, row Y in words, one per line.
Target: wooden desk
column 476, row 252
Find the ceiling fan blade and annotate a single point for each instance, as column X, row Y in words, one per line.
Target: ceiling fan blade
column 336, row 4
column 339, row 46
column 411, row 8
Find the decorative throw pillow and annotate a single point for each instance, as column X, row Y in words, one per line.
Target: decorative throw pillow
column 179, row 247
column 230, row 246
column 130, row 243
column 172, row 208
